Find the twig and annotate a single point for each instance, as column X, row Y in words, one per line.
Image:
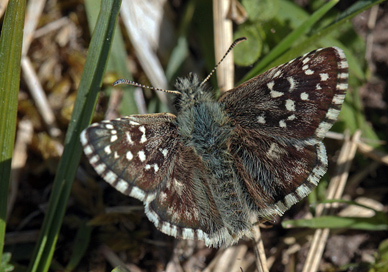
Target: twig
column 230, row 259
column 55, row 25
column 223, row 38
column 113, row 259
column 261, row 260
column 370, row 36
column 34, row 11
column 39, row 97
column 372, row 153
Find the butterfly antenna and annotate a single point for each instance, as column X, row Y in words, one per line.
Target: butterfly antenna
column 227, row 52
column 133, row 83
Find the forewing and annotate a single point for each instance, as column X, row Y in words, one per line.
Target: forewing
column 280, row 119
column 299, row 99
column 132, row 153
column 142, row 156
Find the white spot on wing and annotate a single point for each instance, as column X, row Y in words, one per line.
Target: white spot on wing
column 342, row 86
column 324, row 76
column 282, row 124
column 133, row 123
column 292, row 83
column 142, row 156
column 129, row 139
column 93, row 159
column 113, row 138
column 305, row 60
column 304, row 96
column 275, row 94
column 107, row 149
column 152, row 216
column 322, row 129
column 188, row 233
column 261, row 119
column 84, row 140
column 137, row 193
column 309, row 72
column 338, row 99
column 88, row 150
column 169, row 229
column 155, row 166
column 291, row 117
column 275, row 151
column 110, row 177
column 332, row 114
column 343, row 64
column 100, row 168
column 129, row 155
column 143, row 137
column 164, row 152
column 270, row 85
column 278, row 73
column 290, row 105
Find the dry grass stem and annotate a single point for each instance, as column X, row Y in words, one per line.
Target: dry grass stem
column 223, row 38
column 33, row 14
column 373, row 153
column 40, row 98
column 261, row 260
column 23, row 139
column 335, row 191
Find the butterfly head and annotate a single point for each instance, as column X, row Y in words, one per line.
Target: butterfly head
column 191, row 92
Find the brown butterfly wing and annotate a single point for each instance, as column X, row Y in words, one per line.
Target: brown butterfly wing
column 280, row 119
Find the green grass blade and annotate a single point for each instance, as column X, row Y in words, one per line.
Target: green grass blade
column 83, row 110
column 357, row 8
column 11, row 41
column 379, row 222
column 287, row 42
column 347, row 15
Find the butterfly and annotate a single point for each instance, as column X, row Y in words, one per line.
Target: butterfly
column 220, row 165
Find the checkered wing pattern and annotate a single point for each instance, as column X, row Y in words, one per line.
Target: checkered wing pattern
column 141, row 156
column 277, row 137
column 211, row 171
